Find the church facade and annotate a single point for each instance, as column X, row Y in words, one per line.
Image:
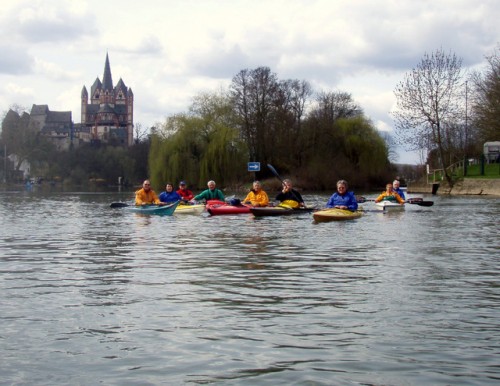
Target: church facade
column 107, row 113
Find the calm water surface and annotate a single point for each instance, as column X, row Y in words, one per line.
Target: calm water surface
column 92, row 295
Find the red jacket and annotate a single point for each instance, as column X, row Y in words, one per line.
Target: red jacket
column 186, row 194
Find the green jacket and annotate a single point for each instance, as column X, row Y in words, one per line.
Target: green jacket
column 208, row 194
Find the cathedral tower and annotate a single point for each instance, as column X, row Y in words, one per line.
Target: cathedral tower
column 109, row 115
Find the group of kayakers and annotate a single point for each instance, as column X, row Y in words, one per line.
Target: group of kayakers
column 257, row 197
column 147, row 196
column 393, row 193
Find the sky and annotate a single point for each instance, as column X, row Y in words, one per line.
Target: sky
column 169, row 51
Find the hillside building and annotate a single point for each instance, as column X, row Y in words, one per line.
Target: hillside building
column 57, row 126
column 107, row 114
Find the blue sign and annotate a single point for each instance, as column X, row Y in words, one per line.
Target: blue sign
column 254, row 166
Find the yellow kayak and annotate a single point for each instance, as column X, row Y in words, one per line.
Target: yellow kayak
column 335, row 214
column 189, row 209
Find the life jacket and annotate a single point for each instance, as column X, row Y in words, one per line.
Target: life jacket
column 292, row 204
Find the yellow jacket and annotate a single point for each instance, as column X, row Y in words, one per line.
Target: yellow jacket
column 390, row 197
column 142, row 197
column 257, row 199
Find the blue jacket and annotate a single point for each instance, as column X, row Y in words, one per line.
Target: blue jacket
column 400, row 192
column 348, row 199
column 169, row 197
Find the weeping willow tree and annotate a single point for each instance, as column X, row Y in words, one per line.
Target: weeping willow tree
column 176, row 151
column 199, row 146
column 365, row 149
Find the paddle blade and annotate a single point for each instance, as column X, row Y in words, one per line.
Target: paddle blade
column 424, row 203
column 273, row 170
column 118, row 205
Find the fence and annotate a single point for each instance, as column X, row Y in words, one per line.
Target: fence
column 472, row 167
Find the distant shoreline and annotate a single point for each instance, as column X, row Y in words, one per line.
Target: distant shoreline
column 468, row 186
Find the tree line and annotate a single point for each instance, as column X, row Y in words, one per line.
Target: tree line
column 317, row 138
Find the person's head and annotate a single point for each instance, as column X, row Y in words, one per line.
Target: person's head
column 257, row 186
column 342, row 186
column 287, row 183
column 169, row 187
column 388, row 187
column 395, row 184
column 146, row 185
column 211, row 185
column 182, row 185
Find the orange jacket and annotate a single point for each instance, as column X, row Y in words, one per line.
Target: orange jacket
column 257, row 199
column 142, row 197
column 390, row 197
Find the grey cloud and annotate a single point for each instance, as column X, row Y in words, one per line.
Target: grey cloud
column 149, row 45
column 63, row 26
column 220, row 63
column 15, row 60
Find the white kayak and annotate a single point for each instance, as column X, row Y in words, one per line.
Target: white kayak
column 389, row 206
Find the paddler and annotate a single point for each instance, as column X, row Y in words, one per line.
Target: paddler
column 146, row 196
column 390, row 195
column 256, row 196
column 342, row 198
column 289, row 197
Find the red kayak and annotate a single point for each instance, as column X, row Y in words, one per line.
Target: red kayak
column 216, row 207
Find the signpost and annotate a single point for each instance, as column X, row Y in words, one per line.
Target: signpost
column 254, row 167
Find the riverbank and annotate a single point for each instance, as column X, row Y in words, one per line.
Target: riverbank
column 467, row 186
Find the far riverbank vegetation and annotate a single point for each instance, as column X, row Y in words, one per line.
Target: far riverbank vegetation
column 314, row 137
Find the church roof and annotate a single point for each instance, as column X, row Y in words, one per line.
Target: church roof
column 96, row 86
column 39, row 110
column 107, row 80
column 105, row 108
column 121, row 86
column 45, row 120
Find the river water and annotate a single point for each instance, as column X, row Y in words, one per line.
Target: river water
column 93, row 295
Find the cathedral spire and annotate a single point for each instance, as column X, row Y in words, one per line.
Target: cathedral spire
column 107, row 81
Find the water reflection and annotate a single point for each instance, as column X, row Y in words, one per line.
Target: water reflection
column 99, row 295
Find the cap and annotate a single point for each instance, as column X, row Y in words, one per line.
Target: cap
column 182, row 183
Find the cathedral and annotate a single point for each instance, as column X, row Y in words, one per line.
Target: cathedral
column 109, row 116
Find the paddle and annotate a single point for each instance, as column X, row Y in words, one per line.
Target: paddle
column 273, row 170
column 124, row 204
column 414, row 201
column 119, row 205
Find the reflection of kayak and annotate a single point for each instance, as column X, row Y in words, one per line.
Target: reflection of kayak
column 335, row 214
column 189, row 209
column 165, row 210
column 389, row 206
column 215, row 207
column 278, row 211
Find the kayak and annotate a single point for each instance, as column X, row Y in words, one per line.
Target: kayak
column 335, row 214
column 215, row 207
column 278, row 211
column 189, row 209
column 389, row 206
column 164, row 210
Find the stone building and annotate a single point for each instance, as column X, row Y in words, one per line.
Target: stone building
column 109, row 115
column 57, row 126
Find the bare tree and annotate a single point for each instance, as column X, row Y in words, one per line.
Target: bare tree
column 391, row 146
column 486, row 99
column 140, row 133
column 335, row 105
column 429, row 106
